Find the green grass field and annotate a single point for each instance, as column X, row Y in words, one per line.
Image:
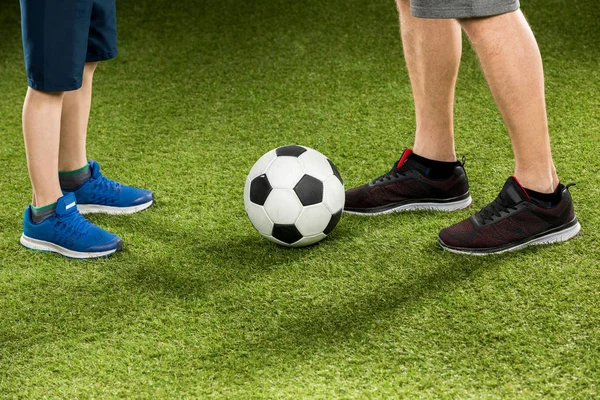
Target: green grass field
column 199, row 305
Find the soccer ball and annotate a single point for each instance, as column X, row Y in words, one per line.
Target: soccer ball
column 294, row 196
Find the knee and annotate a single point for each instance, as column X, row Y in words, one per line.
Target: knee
column 474, row 27
column 40, row 95
column 478, row 27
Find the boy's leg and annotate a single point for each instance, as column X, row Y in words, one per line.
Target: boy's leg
column 512, row 65
column 432, row 49
column 55, row 44
column 94, row 193
column 74, row 122
column 41, row 132
column 53, row 223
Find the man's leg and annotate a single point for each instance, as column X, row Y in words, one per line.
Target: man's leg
column 427, row 177
column 432, row 49
column 534, row 208
column 74, row 122
column 41, row 131
column 512, row 65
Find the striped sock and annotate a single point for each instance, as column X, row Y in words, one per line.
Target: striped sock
column 39, row 214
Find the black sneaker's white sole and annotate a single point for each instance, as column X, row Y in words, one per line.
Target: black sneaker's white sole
column 560, row 234
column 41, row 245
column 100, row 209
column 451, row 205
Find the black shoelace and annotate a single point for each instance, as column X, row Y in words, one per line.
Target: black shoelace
column 495, row 209
column 393, row 173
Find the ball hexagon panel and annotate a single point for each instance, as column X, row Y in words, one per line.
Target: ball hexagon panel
column 260, row 189
column 292, row 151
column 283, row 206
column 287, row 234
column 309, row 190
column 262, row 164
column 308, row 240
column 313, row 220
column 316, row 164
column 259, row 218
column 285, row 172
column 333, row 194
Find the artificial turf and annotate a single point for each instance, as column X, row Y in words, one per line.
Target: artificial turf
column 198, row 304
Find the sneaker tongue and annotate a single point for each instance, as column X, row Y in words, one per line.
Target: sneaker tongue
column 513, row 192
column 408, row 161
column 404, row 158
column 95, row 169
column 66, row 205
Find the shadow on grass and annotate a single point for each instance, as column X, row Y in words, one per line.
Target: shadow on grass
column 192, row 265
column 353, row 316
column 323, row 326
column 219, row 262
column 209, row 266
column 192, row 262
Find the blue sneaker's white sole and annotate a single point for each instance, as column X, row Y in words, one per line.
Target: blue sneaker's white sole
column 42, row 245
column 100, row 209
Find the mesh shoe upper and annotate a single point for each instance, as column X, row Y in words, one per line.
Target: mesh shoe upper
column 406, row 181
column 512, row 218
column 102, row 191
column 69, row 229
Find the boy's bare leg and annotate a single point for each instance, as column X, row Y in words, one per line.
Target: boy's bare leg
column 432, row 49
column 74, row 122
column 41, row 131
column 512, row 65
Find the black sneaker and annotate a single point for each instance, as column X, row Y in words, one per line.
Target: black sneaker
column 409, row 186
column 513, row 221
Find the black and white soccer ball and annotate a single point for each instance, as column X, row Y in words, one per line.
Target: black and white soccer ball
column 294, row 196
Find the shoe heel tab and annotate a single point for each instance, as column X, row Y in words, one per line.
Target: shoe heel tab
column 27, row 214
column 460, row 165
column 565, row 191
column 459, row 169
column 28, row 220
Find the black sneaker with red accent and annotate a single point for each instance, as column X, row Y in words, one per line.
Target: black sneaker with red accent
column 410, row 186
column 513, row 221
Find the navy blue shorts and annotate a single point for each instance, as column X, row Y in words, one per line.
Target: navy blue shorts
column 60, row 36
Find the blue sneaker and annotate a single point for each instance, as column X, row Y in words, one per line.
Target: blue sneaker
column 68, row 233
column 101, row 195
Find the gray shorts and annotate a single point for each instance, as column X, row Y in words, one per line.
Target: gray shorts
column 461, row 8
